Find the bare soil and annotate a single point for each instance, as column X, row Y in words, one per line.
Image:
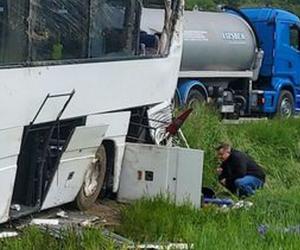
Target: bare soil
column 109, row 212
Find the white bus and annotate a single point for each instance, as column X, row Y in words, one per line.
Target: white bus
column 77, row 78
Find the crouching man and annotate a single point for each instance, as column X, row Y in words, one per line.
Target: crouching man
column 238, row 172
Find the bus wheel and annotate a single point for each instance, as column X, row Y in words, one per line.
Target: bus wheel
column 285, row 106
column 93, row 181
column 195, row 98
column 175, row 103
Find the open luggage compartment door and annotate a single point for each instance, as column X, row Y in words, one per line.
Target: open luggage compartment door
column 150, row 170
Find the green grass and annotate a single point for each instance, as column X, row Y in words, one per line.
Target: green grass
column 275, row 145
column 34, row 239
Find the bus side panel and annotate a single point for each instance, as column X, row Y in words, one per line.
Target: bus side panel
column 74, row 163
column 117, row 131
column 110, row 86
column 10, row 142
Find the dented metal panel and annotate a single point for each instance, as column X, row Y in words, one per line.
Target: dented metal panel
column 73, row 165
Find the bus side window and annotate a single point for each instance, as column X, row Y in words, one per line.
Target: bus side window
column 13, row 32
column 59, row 29
column 113, row 28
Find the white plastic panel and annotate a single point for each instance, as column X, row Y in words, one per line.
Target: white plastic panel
column 176, row 171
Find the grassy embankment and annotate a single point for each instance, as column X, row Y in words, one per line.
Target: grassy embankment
column 274, row 144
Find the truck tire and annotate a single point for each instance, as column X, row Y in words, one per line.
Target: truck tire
column 195, row 98
column 93, row 181
column 285, row 105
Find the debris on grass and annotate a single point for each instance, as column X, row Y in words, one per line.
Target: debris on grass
column 175, row 246
column 242, row 204
column 118, row 239
column 8, row 234
column 218, row 201
column 44, row 221
column 89, row 222
column 264, row 229
column 62, row 214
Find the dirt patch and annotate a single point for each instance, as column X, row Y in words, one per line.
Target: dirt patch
column 109, row 212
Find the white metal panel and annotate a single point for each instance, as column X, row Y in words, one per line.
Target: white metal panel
column 52, row 106
column 176, row 171
column 63, row 188
column 74, row 162
column 117, row 131
column 99, row 87
column 119, row 153
column 171, row 167
column 78, row 154
column 189, row 175
column 143, row 158
column 87, row 137
column 9, row 150
column 7, row 178
column 10, row 141
column 118, row 123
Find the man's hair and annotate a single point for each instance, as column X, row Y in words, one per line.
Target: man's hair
column 223, row 145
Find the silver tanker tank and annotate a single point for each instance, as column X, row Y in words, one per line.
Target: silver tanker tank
column 217, row 41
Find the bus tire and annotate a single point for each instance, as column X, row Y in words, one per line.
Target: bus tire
column 285, row 105
column 195, row 98
column 93, row 181
column 175, row 101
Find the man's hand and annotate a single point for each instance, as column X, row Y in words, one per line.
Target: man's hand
column 219, row 171
column 223, row 182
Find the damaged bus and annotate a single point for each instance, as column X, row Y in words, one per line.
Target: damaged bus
column 77, row 80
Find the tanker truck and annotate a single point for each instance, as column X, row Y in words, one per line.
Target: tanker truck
column 246, row 62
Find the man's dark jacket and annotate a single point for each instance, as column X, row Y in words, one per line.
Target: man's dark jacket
column 237, row 166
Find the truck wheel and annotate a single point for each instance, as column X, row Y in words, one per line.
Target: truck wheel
column 195, row 98
column 93, row 181
column 285, row 106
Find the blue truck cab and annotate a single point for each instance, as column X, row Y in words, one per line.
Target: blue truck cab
column 279, row 37
column 277, row 87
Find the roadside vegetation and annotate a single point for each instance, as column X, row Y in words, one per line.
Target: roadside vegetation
column 291, row 5
column 273, row 222
column 33, row 238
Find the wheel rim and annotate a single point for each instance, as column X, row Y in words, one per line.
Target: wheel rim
column 91, row 180
column 285, row 107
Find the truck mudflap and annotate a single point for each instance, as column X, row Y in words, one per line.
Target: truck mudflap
column 151, row 170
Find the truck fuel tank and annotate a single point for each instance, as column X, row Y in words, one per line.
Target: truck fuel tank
column 217, row 41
